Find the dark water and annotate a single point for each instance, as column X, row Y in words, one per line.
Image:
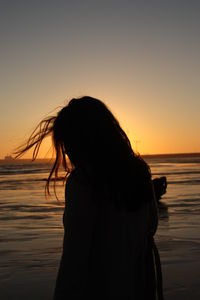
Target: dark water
column 31, row 229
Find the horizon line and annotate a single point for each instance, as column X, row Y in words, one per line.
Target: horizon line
column 143, row 155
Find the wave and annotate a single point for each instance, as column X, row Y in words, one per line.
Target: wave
column 189, row 182
column 28, row 217
column 31, row 208
column 22, row 171
column 20, row 184
column 28, row 212
column 176, row 173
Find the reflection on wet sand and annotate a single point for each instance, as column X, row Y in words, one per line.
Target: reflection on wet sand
column 163, row 211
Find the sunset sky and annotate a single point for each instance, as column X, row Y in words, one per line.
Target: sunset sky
column 142, row 58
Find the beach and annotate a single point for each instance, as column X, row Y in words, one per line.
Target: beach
column 31, row 230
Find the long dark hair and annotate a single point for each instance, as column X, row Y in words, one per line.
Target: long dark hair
column 86, row 133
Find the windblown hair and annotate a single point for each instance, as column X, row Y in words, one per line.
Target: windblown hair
column 86, row 132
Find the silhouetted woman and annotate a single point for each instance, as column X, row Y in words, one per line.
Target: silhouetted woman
column 110, row 215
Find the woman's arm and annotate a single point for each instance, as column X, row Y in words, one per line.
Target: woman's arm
column 79, row 220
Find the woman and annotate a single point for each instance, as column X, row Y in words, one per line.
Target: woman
column 110, row 215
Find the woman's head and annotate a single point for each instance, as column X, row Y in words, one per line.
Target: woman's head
column 87, row 132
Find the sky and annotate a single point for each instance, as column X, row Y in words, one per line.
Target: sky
column 140, row 57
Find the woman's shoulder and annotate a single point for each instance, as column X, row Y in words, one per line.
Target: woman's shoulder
column 78, row 186
column 78, row 177
column 79, row 194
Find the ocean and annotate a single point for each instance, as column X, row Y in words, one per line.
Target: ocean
column 31, row 230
